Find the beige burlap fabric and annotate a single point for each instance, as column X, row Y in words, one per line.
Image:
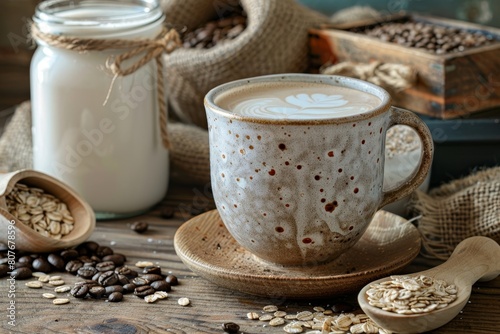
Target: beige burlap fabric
column 274, row 41
column 458, row 210
column 188, row 14
column 189, row 153
column 15, row 144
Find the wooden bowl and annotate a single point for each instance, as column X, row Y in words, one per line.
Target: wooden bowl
column 25, row 238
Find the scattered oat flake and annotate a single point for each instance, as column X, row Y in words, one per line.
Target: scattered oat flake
column 252, row 315
column 277, row 322
column 60, row 301
column 161, row 294
column 34, row 284
column 62, row 289
column 49, row 295
column 144, row 264
column 270, row 308
column 266, row 317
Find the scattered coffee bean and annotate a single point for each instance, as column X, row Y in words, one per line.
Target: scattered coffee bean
column 62, row 289
column 151, row 298
column 161, row 286
column 342, row 308
column 25, row 259
column 69, row 254
column 152, row 270
column 21, row 273
column 86, row 272
column 230, row 327
column 129, row 288
column 103, row 251
column 114, row 288
column 117, row 259
column 140, row 281
column 91, row 246
column 97, row 292
column 4, row 269
column 60, row 301
column 126, row 271
column 105, row 266
column 56, row 261
column 41, row 264
column 167, row 212
column 34, row 285
column 115, row 297
column 152, row 277
column 87, row 261
column 73, row 265
column 161, row 294
column 144, row 264
column 80, row 291
column 108, row 278
column 183, row 301
column 96, row 276
column 143, row 291
column 122, row 279
column 57, row 282
column 172, row 280
column 139, row 226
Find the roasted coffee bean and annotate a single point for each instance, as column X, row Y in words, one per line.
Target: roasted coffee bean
column 21, row 273
column 105, row 266
column 161, row 286
column 129, row 288
column 126, row 271
column 96, row 276
column 4, row 269
column 143, row 291
column 82, row 250
column 56, row 261
column 152, row 270
column 122, row 279
column 139, row 226
column 167, row 212
column 69, row 254
column 140, row 281
column 117, row 259
column 97, row 292
column 342, row 308
column 25, row 259
column 23, row 265
column 3, row 247
column 108, row 278
column 91, row 246
column 172, row 280
column 115, row 297
column 152, row 277
column 73, row 266
column 88, row 282
column 80, row 291
column 87, row 261
column 86, row 272
column 41, row 264
column 102, row 251
column 230, row 327
column 113, row 288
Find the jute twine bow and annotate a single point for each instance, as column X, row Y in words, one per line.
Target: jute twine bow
column 393, row 77
column 166, row 42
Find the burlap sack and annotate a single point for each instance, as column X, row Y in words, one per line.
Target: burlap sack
column 189, row 154
column 458, row 210
column 274, row 41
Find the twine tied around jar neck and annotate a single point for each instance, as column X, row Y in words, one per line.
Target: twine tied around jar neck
column 166, row 42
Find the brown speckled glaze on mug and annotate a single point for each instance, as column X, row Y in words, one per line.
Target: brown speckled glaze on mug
column 299, row 192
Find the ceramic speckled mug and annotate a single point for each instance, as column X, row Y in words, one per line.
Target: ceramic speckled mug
column 297, row 162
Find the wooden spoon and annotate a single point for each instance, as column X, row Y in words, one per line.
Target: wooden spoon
column 27, row 239
column 475, row 258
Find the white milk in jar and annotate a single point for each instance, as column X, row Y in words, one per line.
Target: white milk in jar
column 100, row 137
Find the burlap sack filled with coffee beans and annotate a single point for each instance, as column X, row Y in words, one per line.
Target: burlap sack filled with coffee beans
column 458, row 210
column 274, row 40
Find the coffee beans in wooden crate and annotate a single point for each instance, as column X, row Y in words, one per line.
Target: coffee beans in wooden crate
column 457, row 63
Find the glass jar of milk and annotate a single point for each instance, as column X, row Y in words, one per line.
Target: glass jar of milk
column 97, row 133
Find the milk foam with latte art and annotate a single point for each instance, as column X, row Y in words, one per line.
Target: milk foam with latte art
column 299, row 101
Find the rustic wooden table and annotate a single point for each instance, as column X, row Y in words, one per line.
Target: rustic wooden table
column 210, row 306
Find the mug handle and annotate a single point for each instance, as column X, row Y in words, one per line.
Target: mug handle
column 405, row 117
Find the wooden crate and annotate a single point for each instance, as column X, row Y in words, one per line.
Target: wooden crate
column 448, row 85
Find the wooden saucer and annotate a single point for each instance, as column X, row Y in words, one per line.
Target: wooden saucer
column 206, row 247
